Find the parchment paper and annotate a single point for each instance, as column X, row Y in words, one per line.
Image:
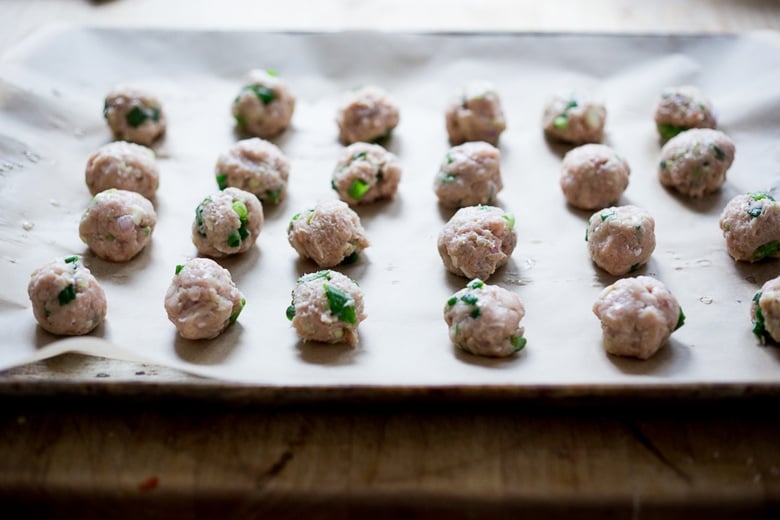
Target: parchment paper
column 51, row 92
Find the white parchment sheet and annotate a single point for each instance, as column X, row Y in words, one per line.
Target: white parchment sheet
column 51, row 94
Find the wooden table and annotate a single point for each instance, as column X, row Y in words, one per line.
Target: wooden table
column 103, row 455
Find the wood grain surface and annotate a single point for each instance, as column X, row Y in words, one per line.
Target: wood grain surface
column 184, row 458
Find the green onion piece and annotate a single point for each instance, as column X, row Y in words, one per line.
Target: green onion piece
column 105, row 109
column 138, row 115
column 240, row 121
column 759, row 327
column 179, row 268
column 446, row 178
column 358, row 188
column 760, row 196
column 475, row 313
column 341, row 304
column 769, row 249
column 680, row 320
column 222, row 181
column 469, row 299
column 67, row 295
column 351, row 259
column 449, row 158
column 755, row 212
column 719, row 153
column 518, row 342
column 234, row 316
column 272, row 73
column 71, row 260
column 452, row 301
column 587, row 230
column 510, row 220
column 234, row 239
column 571, row 104
column 668, row 130
column 608, row 214
column 290, row 312
column 240, row 208
column 314, row 276
column 273, row 196
column 243, row 232
column 662, row 165
column 476, row 283
column 561, row 122
column 264, row 94
column 358, row 156
column 199, row 217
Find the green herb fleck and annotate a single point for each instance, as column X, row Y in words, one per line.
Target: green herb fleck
column 571, row 104
column 222, row 181
column 240, row 121
column 759, row 327
column 240, row 208
column 273, row 196
column 475, row 313
column 755, row 212
column 351, row 259
column 449, row 158
column 199, row 217
column 341, row 304
column 446, row 178
column 272, row 73
column 760, row 196
column 680, row 320
column 290, row 312
column 668, row 130
column 179, row 268
column 662, row 165
column 234, row 316
column 476, row 283
column 71, row 260
column 767, row 250
column 234, row 239
column 358, row 156
column 608, row 214
column 587, row 230
column 510, row 220
column 67, row 295
column 561, row 122
column 358, row 188
column 719, row 153
column 105, row 109
column 469, row 299
column 314, row 276
column 139, row 115
column 264, row 94
column 518, row 342
column 452, row 301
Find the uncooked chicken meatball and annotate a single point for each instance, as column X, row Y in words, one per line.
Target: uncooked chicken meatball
column 329, row 234
column 637, row 316
column 695, row 162
column 365, row 173
column 475, row 114
column 485, row 320
column 593, row 176
column 117, row 224
column 124, row 166
column 765, row 312
column 134, row 115
column 366, row 114
column 264, row 106
column 751, row 227
column 326, row 307
column 621, row 239
column 202, row 299
column 66, row 298
column 477, row 240
column 683, row 108
column 470, row 174
column 256, row 166
column 227, row 223
column 574, row 119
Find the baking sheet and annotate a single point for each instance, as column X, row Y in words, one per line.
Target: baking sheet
column 51, row 92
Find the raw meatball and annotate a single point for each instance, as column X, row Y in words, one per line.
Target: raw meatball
column 328, row 307
column 227, row 223
column 134, row 115
column 366, row 172
column 574, row 119
column 124, row 166
column 66, row 298
column 695, row 161
column 470, row 174
column 117, row 224
column 475, row 114
column 328, row 234
column 621, row 239
column 264, row 106
column 593, row 176
column 765, row 312
column 682, row 108
column 751, row 227
column 202, row 299
column 366, row 114
column 637, row 316
column 256, row 166
column 485, row 320
column 477, row 240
